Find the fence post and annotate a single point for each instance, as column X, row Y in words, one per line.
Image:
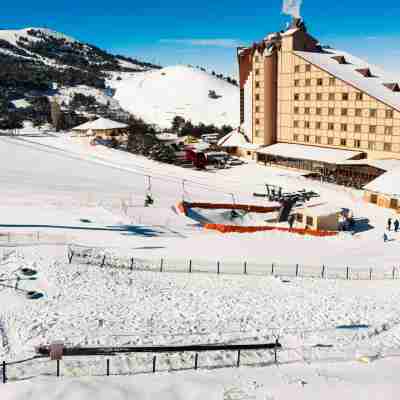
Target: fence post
column 196, row 360
column 245, row 268
column 323, row 272
column 272, row 269
column 238, row 359
column 161, row 265
column 218, row 267
column 370, row 274
column 132, row 264
column 276, row 351
column 8, row 235
column 297, row 270
column 190, row 266
column 70, row 255
column 37, row 235
column 103, row 261
column 4, row 372
column 347, row 273
column 108, row 367
column 394, row 272
column 58, row 367
column 154, row 364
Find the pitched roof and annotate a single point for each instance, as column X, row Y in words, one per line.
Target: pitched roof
column 100, row 124
column 388, row 183
column 385, row 165
column 312, row 153
column 234, row 139
column 365, row 77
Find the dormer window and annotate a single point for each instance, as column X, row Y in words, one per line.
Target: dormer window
column 365, row 72
column 340, row 59
column 394, row 87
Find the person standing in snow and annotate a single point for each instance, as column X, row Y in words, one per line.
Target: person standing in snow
column 389, row 224
column 291, row 220
column 385, row 237
column 396, row 225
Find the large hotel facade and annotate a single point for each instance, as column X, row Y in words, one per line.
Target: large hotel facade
column 310, row 106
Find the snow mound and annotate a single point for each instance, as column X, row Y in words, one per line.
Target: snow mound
column 158, row 96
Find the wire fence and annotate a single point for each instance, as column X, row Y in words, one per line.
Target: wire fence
column 33, row 237
column 147, row 363
column 106, row 259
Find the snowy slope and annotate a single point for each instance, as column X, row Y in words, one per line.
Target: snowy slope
column 158, row 96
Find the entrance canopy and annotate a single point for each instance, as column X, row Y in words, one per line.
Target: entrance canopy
column 310, row 153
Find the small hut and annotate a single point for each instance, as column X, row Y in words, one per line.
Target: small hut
column 236, row 143
column 321, row 217
column 101, row 128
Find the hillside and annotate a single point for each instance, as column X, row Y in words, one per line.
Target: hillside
column 158, row 96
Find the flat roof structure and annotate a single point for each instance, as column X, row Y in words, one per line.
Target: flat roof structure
column 311, row 153
column 388, row 183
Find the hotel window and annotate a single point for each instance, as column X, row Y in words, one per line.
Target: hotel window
column 331, row 96
column 307, row 110
column 387, row 146
column 307, row 138
column 359, row 96
column 318, row 125
column 307, row 124
column 297, row 68
column 331, row 126
column 331, row 111
column 357, row 128
column 296, row 138
column 296, row 110
column 307, row 96
column 257, row 84
column 330, row 141
column 257, row 71
column 308, row 82
column 394, row 203
column 372, row 112
column 309, row 221
column 318, row 139
column 257, row 122
column 296, row 96
column 257, row 109
column 345, row 96
column 297, row 82
column 319, row 96
column 320, row 82
column 371, row 145
column 308, row 68
column 358, row 112
column 343, row 142
column 357, row 143
column 256, row 59
column 295, row 124
column 344, row 111
column 372, row 129
column 343, row 127
column 389, row 113
column 257, row 133
column 318, row 110
column 257, row 97
column 332, row 81
column 388, row 130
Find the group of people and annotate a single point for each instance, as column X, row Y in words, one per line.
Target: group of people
column 391, row 223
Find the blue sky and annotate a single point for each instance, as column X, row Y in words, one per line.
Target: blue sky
column 207, row 32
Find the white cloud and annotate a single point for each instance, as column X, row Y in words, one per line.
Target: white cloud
column 228, row 43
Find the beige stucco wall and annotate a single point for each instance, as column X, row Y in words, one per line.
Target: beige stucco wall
column 292, row 126
column 319, row 222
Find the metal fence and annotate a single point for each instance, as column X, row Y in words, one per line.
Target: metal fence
column 106, row 259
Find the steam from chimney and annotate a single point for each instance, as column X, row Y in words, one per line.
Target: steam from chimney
column 292, row 7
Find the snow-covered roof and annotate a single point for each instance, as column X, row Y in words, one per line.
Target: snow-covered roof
column 321, row 210
column 388, row 183
column 234, row 139
column 168, row 137
column 21, row 103
column 385, row 165
column 313, row 153
column 347, row 72
column 100, row 124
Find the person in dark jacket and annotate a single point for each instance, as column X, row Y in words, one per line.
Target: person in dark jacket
column 396, row 225
column 291, row 220
column 389, row 224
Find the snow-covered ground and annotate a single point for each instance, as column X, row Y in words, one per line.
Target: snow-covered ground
column 158, row 96
column 94, row 196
